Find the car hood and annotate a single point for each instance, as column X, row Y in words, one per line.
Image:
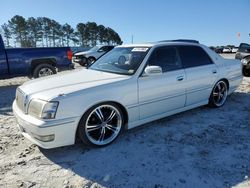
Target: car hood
column 50, row 87
column 84, row 53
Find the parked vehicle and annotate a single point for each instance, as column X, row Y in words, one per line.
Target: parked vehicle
column 243, row 54
column 234, row 50
column 88, row 57
column 34, row 62
column 219, row 50
column 127, row 87
column 227, row 50
column 78, row 49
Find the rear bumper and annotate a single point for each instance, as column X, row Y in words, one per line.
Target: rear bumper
column 234, row 83
column 67, row 67
column 46, row 134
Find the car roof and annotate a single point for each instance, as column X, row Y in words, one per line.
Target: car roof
column 164, row 42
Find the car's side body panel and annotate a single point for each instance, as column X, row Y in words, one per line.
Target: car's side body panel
column 200, row 81
column 22, row 61
column 169, row 90
column 4, row 69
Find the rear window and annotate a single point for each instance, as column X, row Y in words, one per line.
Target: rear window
column 243, row 47
column 193, row 56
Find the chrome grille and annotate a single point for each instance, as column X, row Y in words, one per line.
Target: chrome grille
column 20, row 99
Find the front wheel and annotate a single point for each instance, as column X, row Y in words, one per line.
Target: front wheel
column 83, row 62
column 219, row 93
column 90, row 60
column 101, row 125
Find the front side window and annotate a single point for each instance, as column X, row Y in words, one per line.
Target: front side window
column 121, row 60
column 193, row 56
column 165, row 57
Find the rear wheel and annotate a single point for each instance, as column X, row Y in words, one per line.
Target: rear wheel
column 43, row 70
column 218, row 96
column 246, row 71
column 101, row 125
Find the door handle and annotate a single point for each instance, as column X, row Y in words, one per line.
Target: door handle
column 214, row 71
column 179, row 78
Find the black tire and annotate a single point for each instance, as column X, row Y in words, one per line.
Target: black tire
column 214, row 100
column 49, row 68
column 83, row 135
column 84, row 62
column 246, row 71
column 90, row 60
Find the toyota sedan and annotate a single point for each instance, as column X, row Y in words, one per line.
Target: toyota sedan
column 127, row 87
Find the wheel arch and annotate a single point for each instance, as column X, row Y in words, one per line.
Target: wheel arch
column 227, row 82
column 221, row 79
column 35, row 62
column 247, row 57
column 122, row 108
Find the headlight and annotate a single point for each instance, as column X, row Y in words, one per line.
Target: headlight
column 244, row 61
column 43, row 109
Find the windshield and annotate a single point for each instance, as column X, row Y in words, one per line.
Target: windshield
column 121, row 60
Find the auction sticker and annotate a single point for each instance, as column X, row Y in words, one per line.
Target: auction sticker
column 139, row 49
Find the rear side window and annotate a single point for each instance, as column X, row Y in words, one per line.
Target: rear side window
column 193, row 56
column 165, row 57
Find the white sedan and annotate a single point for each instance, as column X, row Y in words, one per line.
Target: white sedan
column 129, row 86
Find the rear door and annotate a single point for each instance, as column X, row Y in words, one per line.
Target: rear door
column 201, row 73
column 3, row 61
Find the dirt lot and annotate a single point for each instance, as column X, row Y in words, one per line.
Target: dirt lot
column 203, row 147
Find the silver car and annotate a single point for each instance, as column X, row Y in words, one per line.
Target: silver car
column 88, row 57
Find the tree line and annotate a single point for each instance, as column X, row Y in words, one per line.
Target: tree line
column 46, row 32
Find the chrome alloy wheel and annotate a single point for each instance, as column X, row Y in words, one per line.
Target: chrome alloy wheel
column 220, row 93
column 103, row 124
column 45, row 72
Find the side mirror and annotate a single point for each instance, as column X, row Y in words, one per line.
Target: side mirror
column 152, row 70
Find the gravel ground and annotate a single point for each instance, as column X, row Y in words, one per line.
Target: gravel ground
column 203, row 147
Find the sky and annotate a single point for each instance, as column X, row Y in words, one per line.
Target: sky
column 212, row 22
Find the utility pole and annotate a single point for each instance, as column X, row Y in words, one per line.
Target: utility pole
column 132, row 39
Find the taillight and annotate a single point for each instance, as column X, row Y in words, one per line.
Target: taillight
column 69, row 54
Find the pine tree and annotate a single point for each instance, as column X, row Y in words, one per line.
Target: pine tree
column 6, row 33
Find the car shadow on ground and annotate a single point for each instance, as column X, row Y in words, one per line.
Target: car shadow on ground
column 7, row 94
column 184, row 150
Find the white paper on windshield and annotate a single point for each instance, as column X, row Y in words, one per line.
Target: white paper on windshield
column 130, row 71
column 139, row 49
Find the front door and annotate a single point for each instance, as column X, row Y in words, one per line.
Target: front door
column 162, row 93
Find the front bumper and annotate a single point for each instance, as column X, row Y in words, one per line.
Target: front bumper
column 63, row 130
column 82, row 60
